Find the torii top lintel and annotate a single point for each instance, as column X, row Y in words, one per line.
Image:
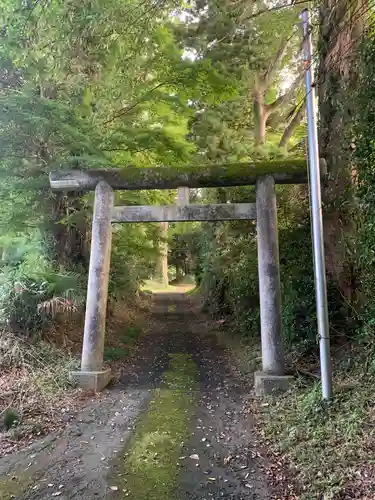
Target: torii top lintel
column 132, row 178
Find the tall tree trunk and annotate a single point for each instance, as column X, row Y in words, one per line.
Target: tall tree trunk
column 70, row 239
column 179, row 274
column 162, row 259
column 260, row 118
column 291, row 127
column 342, row 23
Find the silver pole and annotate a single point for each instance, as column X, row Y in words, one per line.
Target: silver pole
column 316, row 214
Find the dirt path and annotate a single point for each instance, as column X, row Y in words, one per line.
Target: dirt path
column 219, row 458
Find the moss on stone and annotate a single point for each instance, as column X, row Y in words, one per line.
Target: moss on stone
column 233, row 174
column 229, row 170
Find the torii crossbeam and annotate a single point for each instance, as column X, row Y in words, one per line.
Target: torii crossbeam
column 104, row 181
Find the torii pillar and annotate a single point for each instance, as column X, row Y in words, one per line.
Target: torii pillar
column 272, row 378
column 92, row 376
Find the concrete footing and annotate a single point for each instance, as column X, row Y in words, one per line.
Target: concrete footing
column 91, row 381
column 266, row 383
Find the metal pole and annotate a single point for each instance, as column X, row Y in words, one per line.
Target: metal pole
column 316, row 213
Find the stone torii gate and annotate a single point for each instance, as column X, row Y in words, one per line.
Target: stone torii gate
column 262, row 174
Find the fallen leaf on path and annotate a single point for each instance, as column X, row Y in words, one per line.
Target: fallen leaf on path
column 114, row 488
column 194, row 456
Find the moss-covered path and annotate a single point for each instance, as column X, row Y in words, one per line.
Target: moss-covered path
column 175, row 428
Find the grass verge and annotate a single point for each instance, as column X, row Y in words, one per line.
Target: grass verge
column 318, row 451
column 149, row 467
column 121, row 344
column 246, row 351
column 329, row 447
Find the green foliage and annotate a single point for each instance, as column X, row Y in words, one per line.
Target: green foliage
column 364, row 161
column 297, row 281
column 107, row 83
column 228, row 272
column 29, row 300
column 81, row 86
column 123, row 343
column 238, row 48
column 311, row 433
column 133, row 258
column 115, row 353
column 182, row 245
column 32, row 293
column 20, row 297
column 298, row 290
column 132, row 334
column 10, row 419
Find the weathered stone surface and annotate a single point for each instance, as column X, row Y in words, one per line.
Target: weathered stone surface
column 265, row 383
column 97, row 288
column 183, row 196
column 193, row 176
column 91, row 381
column 176, row 213
column 269, row 277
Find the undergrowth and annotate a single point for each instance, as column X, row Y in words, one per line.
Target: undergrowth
column 122, row 345
column 36, row 393
column 328, row 445
column 35, row 386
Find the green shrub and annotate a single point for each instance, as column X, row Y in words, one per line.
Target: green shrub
column 10, row 418
column 115, row 353
column 364, row 163
column 28, row 302
column 228, row 272
column 131, row 335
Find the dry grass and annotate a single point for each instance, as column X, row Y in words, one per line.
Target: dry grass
column 35, row 388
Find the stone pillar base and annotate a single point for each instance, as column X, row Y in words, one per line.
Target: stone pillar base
column 91, row 381
column 266, row 383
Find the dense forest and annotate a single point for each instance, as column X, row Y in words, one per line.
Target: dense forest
column 174, row 84
column 171, row 85
column 113, row 83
